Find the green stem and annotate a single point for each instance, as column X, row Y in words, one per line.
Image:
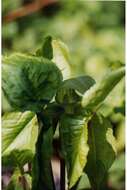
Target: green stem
column 40, row 180
column 24, row 183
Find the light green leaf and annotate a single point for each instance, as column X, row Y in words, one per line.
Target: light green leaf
column 29, row 82
column 83, row 183
column 120, row 136
column 61, row 57
column 96, row 94
column 19, row 135
column 117, row 172
column 5, row 104
column 46, row 50
column 73, row 134
column 71, row 90
column 102, row 150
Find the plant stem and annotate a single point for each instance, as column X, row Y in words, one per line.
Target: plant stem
column 24, row 183
column 62, row 174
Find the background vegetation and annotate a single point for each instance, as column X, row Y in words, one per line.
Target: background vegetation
column 94, row 33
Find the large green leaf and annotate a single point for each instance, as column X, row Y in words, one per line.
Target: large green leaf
column 102, row 150
column 96, row 95
column 29, row 82
column 19, row 135
column 71, row 90
column 73, row 134
column 61, row 57
column 19, row 181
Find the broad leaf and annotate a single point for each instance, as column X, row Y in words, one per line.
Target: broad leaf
column 73, row 134
column 42, row 177
column 96, row 95
column 29, row 82
column 19, row 181
column 61, row 57
column 102, row 150
column 19, row 135
column 46, row 50
column 71, row 90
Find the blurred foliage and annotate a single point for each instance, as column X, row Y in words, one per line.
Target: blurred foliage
column 94, row 33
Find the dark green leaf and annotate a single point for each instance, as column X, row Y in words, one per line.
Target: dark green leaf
column 102, row 150
column 73, row 134
column 72, row 89
column 46, row 50
column 96, row 95
column 19, row 135
column 29, row 82
column 42, row 172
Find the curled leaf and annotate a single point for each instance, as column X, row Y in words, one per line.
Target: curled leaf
column 71, row 90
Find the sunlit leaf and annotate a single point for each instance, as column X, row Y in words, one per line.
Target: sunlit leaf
column 96, row 94
column 19, row 135
column 61, row 57
column 120, row 135
column 73, row 134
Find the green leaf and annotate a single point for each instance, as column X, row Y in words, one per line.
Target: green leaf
column 18, row 180
column 32, row 83
column 120, row 135
column 61, row 58
column 83, row 183
column 73, row 134
column 46, row 50
column 102, row 150
column 19, row 135
column 96, row 95
column 5, row 104
column 71, row 90
column 42, row 172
